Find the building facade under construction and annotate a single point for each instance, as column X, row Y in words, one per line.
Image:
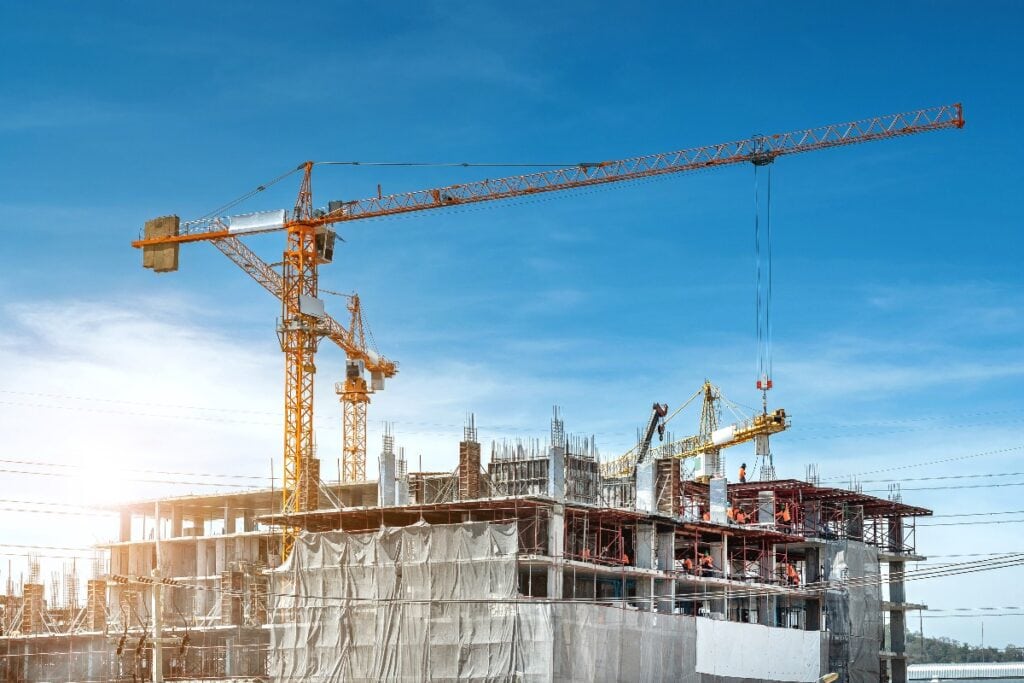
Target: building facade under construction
column 529, row 565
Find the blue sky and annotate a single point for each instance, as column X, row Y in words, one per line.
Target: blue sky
column 898, row 285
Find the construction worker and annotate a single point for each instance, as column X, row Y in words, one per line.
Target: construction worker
column 741, row 516
column 730, row 513
column 706, row 516
column 707, row 565
column 743, row 473
column 586, row 554
column 782, row 517
column 688, row 565
column 792, row 577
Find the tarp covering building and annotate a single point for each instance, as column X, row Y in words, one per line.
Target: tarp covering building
column 441, row 603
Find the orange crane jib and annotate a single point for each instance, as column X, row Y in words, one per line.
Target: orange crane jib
column 753, row 150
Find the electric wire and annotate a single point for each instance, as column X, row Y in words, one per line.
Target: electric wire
column 453, row 164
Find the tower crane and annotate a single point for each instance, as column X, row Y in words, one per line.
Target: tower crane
column 709, row 439
column 308, row 238
column 354, row 392
column 355, row 397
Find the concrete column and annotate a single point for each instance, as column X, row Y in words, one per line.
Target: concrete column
column 248, row 520
column 199, row 522
column 665, row 592
column 645, row 550
column 229, row 520
column 766, row 603
column 175, row 521
column 556, row 473
column 386, row 479
column 666, row 550
column 201, row 558
column 126, row 526
column 897, row 594
column 646, row 500
column 556, row 549
column 718, row 556
column 719, row 501
column 812, row 574
column 229, row 656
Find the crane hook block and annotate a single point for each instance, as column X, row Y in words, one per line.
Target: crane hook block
column 162, row 258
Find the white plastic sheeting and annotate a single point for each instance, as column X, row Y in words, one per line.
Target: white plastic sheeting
column 440, row 603
column 418, row 603
column 726, row 648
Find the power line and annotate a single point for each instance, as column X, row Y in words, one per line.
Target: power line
column 998, row 451
column 989, row 521
column 453, row 164
column 43, row 463
column 137, row 480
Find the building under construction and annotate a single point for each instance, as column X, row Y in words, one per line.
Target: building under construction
column 514, row 569
column 544, row 563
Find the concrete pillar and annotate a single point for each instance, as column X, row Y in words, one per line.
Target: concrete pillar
column 248, row 520
column 386, row 479
column 201, row 560
column 766, row 570
column 766, row 507
column 556, row 473
column 645, row 547
column 469, row 470
column 32, row 608
column 665, row 592
column 646, row 500
column 666, row 550
column 96, row 604
column 556, row 549
column 718, row 493
column 175, row 521
column 812, row 574
column 126, row 526
column 897, row 594
column 229, row 520
column 229, row 656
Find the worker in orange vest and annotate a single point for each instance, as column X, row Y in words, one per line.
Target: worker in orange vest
column 688, row 565
column 586, row 554
column 730, row 513
column 791, row 575
column 783, row 515
column 706, row 563
column 706, row 516
column 743, row 473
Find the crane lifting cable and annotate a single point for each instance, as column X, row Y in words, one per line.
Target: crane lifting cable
column 763, row 302
column 763, row 275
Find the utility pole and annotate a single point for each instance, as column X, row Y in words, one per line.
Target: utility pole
column 158, row 609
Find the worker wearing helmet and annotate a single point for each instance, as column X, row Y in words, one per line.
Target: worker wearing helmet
column 743, row 473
